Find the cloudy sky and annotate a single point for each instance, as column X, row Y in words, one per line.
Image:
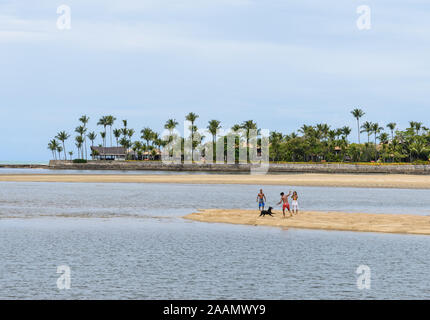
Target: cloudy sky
column 282, row 63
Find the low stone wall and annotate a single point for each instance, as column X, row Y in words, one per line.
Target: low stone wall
column 350, row 168
column 274, row 168
column 24, row 166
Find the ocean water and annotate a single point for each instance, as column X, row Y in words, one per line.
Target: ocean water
column 128, row 241
column 131, row 172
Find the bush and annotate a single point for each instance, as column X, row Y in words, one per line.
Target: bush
column 420, row 162
column 79, row 161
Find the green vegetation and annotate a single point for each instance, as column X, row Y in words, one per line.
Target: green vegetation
column 311, row 143
column 79, row 161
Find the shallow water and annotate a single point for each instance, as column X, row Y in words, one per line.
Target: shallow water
column 128, row 241
column 127, row 172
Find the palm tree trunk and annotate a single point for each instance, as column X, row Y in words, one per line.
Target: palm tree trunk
column 213, row 148
column 247, row 148
column 376, row 150
column 64, row 148
column 110, row 129
column 358, row 129
column 85, row 144
column 192, row 142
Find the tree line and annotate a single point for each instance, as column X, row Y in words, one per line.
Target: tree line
column 316, row 143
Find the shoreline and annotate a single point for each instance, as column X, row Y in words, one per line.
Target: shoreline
column 350, row 168
column 318, row 220
column 299, row 179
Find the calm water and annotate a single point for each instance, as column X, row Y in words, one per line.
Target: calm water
column 128, row 241
column 132, row 172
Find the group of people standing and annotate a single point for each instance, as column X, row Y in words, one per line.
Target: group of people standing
column 261, row 199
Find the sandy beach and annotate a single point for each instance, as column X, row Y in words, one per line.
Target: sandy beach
column 329, row 180
column 341, row 221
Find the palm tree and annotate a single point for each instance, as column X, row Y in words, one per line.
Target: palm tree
column 117, row 135
column 79, row 141
column 213, row 127
column 275, row 140
column 81, row 130
column 248, row 126
column 84, row 119
column 71, row 155
column 157, row 141
column 323, row 130
column 103, row 135
column 346, row 131
column 358, row 113
column 92, row 136
column 376, row 129
column 367, row 127
column 110, row 121
column 53, row 145
column 124, row 132
column 147, row 135
column 63, row 136
column 170, row 125
column 192, row 117
column 383, row 138
column 130, row 133
column 137, row 148
column 59, row 150
column 154, row 138
column 103, row 121
column 418, row 126
column 236, row 127
column 392, row 126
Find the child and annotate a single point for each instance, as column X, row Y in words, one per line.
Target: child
column 295, row 203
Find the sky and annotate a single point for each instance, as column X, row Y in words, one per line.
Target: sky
column 280, row 63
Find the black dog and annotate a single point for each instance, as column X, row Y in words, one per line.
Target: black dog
column 264, row 212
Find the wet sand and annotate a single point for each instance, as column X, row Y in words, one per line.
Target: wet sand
column 341, row 221
column 306, row 179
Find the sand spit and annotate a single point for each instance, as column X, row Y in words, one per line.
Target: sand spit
column 341, row 221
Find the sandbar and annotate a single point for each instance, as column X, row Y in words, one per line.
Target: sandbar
column 341, row 221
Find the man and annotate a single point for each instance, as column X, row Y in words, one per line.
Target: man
column 261, row 199
column 285, row 205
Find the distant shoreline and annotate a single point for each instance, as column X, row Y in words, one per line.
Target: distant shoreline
column 24, row 166
column 320, row 168
column 371, row 168
column 339, row 221
column 299, row 179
